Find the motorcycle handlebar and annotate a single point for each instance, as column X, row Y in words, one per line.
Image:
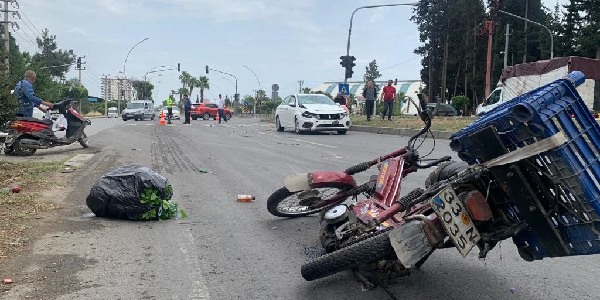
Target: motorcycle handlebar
column 434, row 163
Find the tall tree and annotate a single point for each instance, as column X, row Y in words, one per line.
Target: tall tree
column 451, row 51
column 56, row 60
column 143, row 89
column 371, row 71
column 203, row 85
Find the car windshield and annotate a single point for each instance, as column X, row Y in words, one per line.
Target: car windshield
column 314, row 99
column 135, row 105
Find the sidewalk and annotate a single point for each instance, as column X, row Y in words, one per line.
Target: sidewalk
column 398, row 131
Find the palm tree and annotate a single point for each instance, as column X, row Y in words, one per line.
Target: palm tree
column 185, row 79
column 194, row 82
column 203, row 85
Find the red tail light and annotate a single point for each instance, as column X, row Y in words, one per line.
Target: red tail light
column 477, row 205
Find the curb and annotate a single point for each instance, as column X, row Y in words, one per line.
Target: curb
column 399, row 131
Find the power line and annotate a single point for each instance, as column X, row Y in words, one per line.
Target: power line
column 26, row 17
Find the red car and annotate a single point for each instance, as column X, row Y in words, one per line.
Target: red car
column 207, row 111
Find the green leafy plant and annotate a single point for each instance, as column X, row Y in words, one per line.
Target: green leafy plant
column 162, row 209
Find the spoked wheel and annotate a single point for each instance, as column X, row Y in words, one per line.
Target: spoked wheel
column 83, row 140
column 283, row 203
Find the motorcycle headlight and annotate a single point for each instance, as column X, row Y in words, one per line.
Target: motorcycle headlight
column 308, row 114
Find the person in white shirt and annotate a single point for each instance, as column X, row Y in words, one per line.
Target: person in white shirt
column 220, row 105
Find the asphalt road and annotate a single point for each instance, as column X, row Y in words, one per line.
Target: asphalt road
column 231, row 250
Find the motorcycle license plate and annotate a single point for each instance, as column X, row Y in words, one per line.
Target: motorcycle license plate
column 456, row 220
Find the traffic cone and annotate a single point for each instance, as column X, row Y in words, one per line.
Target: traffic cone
column 161, row 119
column 217, row 118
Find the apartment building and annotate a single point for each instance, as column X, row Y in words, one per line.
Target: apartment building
column 117, row 89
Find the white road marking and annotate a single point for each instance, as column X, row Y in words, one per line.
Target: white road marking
column 199, row 290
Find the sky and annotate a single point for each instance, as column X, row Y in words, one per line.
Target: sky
column 281, row 41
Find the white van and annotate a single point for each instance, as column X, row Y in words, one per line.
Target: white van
column 139, row 110
column 112, row 112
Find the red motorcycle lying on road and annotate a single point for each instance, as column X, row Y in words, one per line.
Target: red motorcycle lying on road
column 531, row 176
column 26, row 135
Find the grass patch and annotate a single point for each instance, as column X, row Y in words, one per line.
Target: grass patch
column 17, row 209
column 451, row 124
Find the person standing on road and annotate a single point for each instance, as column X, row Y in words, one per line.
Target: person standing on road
column 169, row 109
column 187, row 107
column 387, row 97
column 370, row 94
column 220, row 106
column 26, row 96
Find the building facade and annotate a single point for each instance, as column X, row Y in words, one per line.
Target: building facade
column 117, row 89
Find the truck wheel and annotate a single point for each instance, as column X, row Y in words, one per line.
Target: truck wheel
column 206, row 116
column 194, row 118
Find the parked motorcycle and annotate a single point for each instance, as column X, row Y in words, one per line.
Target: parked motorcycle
column 26, row 135
column 532, row 175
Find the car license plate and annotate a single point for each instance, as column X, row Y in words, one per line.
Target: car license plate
column 336, row 122
column 455, row 218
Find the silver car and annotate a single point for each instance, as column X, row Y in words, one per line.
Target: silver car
column 176, row 113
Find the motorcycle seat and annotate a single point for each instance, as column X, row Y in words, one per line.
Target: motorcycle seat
column 43, row 121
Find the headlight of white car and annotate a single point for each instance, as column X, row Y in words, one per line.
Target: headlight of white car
column 308, row 114
column 343, row 115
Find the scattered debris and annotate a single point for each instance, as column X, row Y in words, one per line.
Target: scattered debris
column 513, row 290
column 274, row 227
column 135, row 149
column 245, row 198
column 204, row 171
column 16, row 189
column 7, row 281
column 67, row 170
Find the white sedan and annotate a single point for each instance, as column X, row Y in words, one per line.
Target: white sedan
column 175, row 110
column 311, row 112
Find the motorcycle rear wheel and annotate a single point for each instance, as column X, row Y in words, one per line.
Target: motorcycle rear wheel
column 83, row 140
column 21, row 151
column 369, row 250
column 292, row 207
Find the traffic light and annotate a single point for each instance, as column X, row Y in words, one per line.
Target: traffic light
column 206, row 69
column 178, row 67
column 79, row 63
column 348, row 62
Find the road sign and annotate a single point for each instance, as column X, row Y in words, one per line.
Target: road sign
column 245, row 103
column 344, row 89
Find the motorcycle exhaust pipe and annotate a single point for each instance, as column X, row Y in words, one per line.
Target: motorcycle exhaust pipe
column 32, row 144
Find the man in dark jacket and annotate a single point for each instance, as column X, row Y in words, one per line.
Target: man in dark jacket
column 187, row 107
column 370, row 94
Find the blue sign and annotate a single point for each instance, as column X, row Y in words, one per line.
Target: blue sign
column 344, row 89
column 245, row 103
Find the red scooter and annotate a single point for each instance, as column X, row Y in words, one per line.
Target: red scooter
column 26, row 135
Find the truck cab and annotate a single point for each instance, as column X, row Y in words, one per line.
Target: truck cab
column 492, row 101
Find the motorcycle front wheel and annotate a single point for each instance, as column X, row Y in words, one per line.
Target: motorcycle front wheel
column 369, row 250
column 83, row 140
column 283, row 203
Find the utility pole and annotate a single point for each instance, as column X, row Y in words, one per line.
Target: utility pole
column 300, row 82
column 489, row 27
column 79, row 68
column 525, row 31
column 5, row 33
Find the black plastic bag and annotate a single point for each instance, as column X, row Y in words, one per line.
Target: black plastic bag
column 117, row 194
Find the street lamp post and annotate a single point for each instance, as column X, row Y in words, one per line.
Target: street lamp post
column 369, row 6
column 125, row 74
column 536, row 23
column 259, row 87
column 146, row 74
column 236, row 81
